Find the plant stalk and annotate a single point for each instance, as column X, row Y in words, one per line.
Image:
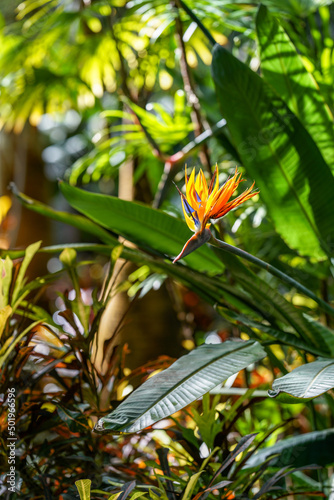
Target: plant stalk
column 198, row 22
column 272, row 270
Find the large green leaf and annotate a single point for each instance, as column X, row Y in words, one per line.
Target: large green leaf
column 283, row 68
column 305, row 382
column 321, row 332
column 299, row 451
column 78, row 221
column 295, row 182
column 208, row 288
column 149, row 228
column 272, row 303
column 283, row 337
column 189, row 378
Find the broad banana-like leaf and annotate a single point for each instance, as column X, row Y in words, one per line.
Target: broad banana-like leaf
column 284, row 337
column 143, row 225
column 279, row 154
column 284, row 69
column 270, row 300
column 298, row 451
column 186, row 380
column 78, row 221
column 305, row 382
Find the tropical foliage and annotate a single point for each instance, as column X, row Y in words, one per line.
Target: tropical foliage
column 122, row 96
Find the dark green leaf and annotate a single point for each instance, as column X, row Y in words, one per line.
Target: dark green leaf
column 283, row 337
column 271, row 302
column 78, row 221
column 75, row 420
column 279, row 154
column 298, row 451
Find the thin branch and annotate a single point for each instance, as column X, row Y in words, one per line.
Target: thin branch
column 198, row 22
column 189, row 88
column 156, row 149
column 175, row 162
column 122, row 68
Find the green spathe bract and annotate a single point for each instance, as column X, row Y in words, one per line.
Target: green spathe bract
column 186, row 380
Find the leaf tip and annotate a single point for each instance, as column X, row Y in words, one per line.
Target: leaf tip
column 99, row 426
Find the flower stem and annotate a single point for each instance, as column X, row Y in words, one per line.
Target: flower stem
column 272, row 270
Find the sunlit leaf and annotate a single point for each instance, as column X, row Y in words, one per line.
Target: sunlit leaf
column 4, row 315
column 279, row 154
column 283, row 68
column 83, row 486
column 20, row 280
column 189, row 378
column 305, row 382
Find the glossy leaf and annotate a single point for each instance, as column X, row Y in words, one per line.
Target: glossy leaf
column 149, row 228
column 186, row 380
column 278, row 152
column 83, row 486
column 283, row 68
column 298, row 451
column 305, row 382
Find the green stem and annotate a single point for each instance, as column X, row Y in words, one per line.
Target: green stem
column 198, row 22
column 272, row 270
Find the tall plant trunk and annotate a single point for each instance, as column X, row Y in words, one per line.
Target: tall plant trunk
column 109, row 329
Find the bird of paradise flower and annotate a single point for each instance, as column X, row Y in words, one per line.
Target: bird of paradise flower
column 203, row 203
